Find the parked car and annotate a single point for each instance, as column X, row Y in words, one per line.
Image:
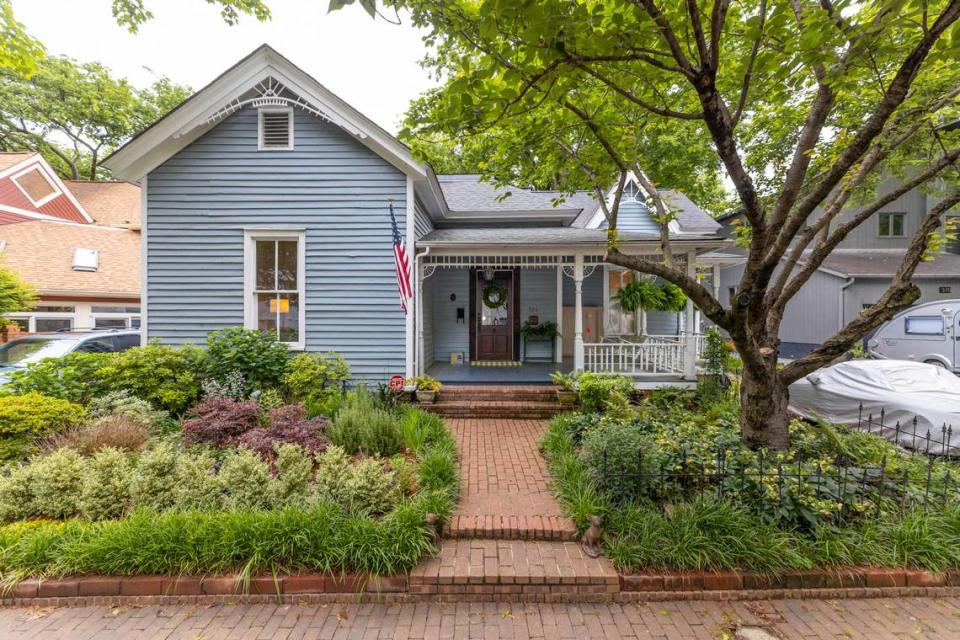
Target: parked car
column 849, row 392
column 924, row 333
column 18, row 353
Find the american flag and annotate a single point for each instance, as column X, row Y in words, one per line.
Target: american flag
column 402, row 264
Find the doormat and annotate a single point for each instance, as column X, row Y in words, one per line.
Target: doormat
column 495, row 363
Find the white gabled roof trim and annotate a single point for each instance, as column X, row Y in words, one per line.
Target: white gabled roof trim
column 205, row 108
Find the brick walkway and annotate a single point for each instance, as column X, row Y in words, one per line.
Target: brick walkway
column 880, row 619
column 504, row 492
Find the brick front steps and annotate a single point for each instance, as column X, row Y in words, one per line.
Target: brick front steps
column 515, row 527
column 496, row 401
column 502, row 567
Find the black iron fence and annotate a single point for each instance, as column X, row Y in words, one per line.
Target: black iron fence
column 801, row 490
column 910, row 435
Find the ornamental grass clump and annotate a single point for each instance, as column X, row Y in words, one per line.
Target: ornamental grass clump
column 119, row 431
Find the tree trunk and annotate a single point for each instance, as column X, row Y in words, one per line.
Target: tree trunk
column 764, row 419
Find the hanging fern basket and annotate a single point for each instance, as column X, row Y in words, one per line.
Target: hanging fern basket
column 494, row 295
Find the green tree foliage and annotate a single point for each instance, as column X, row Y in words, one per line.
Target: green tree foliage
column 15, row 294
column 134, row 13
column 18, row 51
column 807, row 106
column 75, row 113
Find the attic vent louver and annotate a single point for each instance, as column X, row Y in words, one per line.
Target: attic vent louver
column 86, row 259
column 276, row 128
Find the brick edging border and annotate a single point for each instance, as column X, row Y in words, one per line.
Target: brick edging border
column 624, row 597
column 856, row 582
column 845, row 578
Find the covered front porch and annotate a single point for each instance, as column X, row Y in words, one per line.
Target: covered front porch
column 467, row 334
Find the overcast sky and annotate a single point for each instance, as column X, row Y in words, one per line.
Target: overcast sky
column 372, row 65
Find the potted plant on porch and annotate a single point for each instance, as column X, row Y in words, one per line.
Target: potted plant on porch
column 567, row 393
column 427, row 388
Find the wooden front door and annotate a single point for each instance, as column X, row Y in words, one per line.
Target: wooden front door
column 493, row 330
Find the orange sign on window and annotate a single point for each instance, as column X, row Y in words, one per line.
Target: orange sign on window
column 284, row 304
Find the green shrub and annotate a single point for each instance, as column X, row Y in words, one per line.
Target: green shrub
column 123, row 403
column 314, row 378
column 602, row 392
column 255, row 354
column 57, row 483
column 244, row 480
column 155, row 479
column 294, row 469
column 106, row 485
column 269, row 399
column 165, row 376
column 362, row 426
column 333, row 474
column 25, row 418
column 16, row 494
column 370, row 489
column 616, row 452
column 72, row 377
column 196, row 486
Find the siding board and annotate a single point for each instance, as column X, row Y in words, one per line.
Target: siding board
column 201, row 200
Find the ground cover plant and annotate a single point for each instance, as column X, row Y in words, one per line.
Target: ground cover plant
column 171, row 460
column 669, row 502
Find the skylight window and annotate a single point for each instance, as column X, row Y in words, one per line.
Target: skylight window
column 36, row 185
column 275, row 129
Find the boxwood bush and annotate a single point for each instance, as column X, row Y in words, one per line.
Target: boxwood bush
column 26, row 418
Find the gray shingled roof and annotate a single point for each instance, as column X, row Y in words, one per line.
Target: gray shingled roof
column 525, row 235
column 466, row 192
column 689, row 215
column 883, row 263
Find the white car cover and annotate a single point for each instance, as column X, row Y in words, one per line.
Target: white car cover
column 902, row 389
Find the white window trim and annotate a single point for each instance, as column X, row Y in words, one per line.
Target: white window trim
column 903, row 225
column 260, row 112
column 250, row 236
column 126, row 317
column 33, row 316
column 46, row 176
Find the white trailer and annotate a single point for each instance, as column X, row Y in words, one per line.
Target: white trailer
column 925, row 333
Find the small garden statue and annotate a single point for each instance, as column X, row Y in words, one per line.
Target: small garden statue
column 592, row 537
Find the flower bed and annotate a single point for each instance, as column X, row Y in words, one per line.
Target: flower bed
column 215, row 473
column 652, row 472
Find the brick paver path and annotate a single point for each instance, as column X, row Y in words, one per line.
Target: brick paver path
column 504, row 482
column 880, row 619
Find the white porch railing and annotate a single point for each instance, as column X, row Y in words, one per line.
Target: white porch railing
column 643, row 355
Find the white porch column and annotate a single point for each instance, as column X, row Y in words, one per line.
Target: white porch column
column 418, row 293
column 690, row 354
column 578, row 350
column 558, row 350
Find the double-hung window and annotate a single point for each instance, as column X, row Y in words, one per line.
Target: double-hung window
column 274, row 275
column 890, row 225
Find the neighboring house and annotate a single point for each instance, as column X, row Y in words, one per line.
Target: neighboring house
column 268, row 204
column 77, row 243
column 856, row 274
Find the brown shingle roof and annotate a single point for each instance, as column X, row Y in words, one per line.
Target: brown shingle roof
column 116, row 204
column 11, row 158
column 42, row 252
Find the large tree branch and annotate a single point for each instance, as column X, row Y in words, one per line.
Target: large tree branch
column 632, row 97
column 901, row 294
column 894, row 96
column 663, row 214
column 748, row 73
column 669, row 36
column 827, row 245
column 699, row 294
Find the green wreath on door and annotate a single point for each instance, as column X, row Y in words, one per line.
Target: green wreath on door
column 494, row 295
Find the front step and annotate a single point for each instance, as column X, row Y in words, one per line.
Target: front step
column 502, row 567
column 531, row 402
column 495, row 409
column 514, row 527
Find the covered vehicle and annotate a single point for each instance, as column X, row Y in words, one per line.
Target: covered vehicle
column 902, row 390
